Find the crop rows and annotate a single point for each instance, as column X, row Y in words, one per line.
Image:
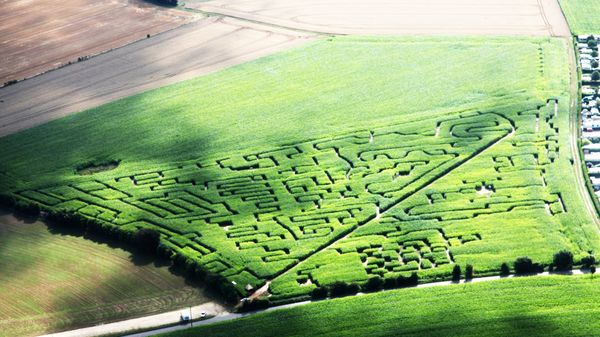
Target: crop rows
column 379, row 201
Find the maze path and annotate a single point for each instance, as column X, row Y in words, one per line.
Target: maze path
column 365, row 197
column 417, row 234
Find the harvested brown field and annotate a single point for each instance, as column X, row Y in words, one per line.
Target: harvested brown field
column 36, row 36
column 179, row 54
column 56, row 280
column 406, row 17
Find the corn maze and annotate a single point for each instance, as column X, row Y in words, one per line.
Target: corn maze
column 414, row 197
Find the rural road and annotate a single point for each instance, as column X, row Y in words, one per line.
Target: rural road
column 236, row 35
column 221, row 315
column 171, row 317
column 186, row 52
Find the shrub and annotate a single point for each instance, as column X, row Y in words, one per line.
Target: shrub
column 594, row 53
column 256, row 304
column 169, row 2
column 593, row 269
column 588, row 261
column 147, row 240
column 374, row 284
column 407, row 281
column 389, row 283
column 456, row 273
column 469, row 272
column 7, row 200
column 504, row 269
column 592, row 43
column 319, row 293
column 595, row 75
column 338, row 289
column 595, row 64
column 28, row 208
column 222, row 287
column 563, row 260
column 524, row 265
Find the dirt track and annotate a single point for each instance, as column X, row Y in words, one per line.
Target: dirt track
column 422, row 17
column 186, row 52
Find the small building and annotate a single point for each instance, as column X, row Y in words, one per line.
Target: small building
column 588, row 57
column 592, row 158
column 594, row 172
column 589, row 148
column 595, row 183
column 588, row 91
column 585, row 51
column 593, row 136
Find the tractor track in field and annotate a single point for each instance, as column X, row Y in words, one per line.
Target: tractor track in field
column 383, row 211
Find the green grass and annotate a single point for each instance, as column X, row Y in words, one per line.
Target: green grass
column 582, row 15
column 275, row 169
column 531, row 306
column 51, row 282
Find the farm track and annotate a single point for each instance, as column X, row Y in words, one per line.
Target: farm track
column 40, row 110
column 404, row 197
column 171, row 318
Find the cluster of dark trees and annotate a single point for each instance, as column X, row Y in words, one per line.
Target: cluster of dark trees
column 167, row 2
column 375, row 283
column 456, row 273
column 147, row 240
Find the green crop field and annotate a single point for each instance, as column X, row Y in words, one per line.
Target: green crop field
column 582, row 15
column 51, row 282
column 532, row 306
column 311, row 166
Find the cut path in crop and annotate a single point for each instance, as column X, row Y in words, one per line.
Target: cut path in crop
column 421, row 185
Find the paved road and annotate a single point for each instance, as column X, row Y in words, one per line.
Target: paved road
column 182, row 53
column 171, row 317
column 222, row 315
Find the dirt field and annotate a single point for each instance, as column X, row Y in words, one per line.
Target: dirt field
column 55, row 281
column 183, row 53
column 439, row 17
column 39, row 35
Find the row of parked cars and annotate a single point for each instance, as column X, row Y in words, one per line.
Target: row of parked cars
column 590, row 111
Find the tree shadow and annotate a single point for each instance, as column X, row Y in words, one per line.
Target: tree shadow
column 151, row 3
column 137, row 256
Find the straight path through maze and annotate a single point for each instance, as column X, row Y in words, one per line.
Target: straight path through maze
column 505, row 189
column 251, row 217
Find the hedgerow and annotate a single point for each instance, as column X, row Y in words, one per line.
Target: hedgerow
column 398, row 199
